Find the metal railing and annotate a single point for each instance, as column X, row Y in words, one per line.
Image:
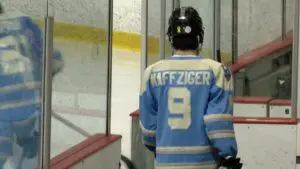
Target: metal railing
column 70, row 125
column 47, row 94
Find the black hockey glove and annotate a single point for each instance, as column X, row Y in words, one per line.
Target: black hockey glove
column 231, row 163
column 152, row 149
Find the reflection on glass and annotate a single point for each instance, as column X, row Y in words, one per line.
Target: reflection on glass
column 226, row 31
column 289, row 17
column 169, row 9
column 21, row 51
column 79, row 90
column 154, row 14
column 270, row 75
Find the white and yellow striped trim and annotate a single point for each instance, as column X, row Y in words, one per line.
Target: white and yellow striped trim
column 84, row 33
column 221, row 134
column 150, row 133
column 184, row 150
column 217, row 117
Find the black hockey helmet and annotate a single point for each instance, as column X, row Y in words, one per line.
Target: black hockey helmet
column 185, row 21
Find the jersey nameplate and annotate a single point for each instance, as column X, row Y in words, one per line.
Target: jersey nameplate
column 181, row 78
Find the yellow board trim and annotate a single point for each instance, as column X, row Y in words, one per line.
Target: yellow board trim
column 123, row 40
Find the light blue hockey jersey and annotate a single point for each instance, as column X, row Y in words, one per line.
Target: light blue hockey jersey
column 21, row 51
column 186, row 112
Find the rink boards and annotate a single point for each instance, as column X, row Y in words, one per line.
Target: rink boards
column 266, row 141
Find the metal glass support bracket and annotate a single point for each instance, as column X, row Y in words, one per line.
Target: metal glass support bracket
column 162, row 40
column 217, row 31
column 47, row 93
column 234, row 35
column 295, row 71
column 109, row 67
column 70, row 125
column 144, row 32
column 283, row 19
column 176, row 4
column 295, row 62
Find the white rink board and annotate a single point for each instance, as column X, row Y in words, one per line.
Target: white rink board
column 101, row 159
column 280, row 111
column 267, row 146
column 250, row 110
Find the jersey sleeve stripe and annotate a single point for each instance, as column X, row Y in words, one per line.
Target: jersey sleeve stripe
column 146, row 132
column 217, row 117
column 5, row 106
column 28, row 85
column 221, row 134
column 184, row 150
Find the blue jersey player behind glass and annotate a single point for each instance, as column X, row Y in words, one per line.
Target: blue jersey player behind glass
column 186, row 103
column 21, row 51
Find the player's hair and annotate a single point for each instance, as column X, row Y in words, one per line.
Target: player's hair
column 182, row 38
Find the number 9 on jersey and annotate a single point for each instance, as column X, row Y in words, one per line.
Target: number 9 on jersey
column 179, row 106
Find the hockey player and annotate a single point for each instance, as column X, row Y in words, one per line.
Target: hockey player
column 186, row 103
column 21, row 51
